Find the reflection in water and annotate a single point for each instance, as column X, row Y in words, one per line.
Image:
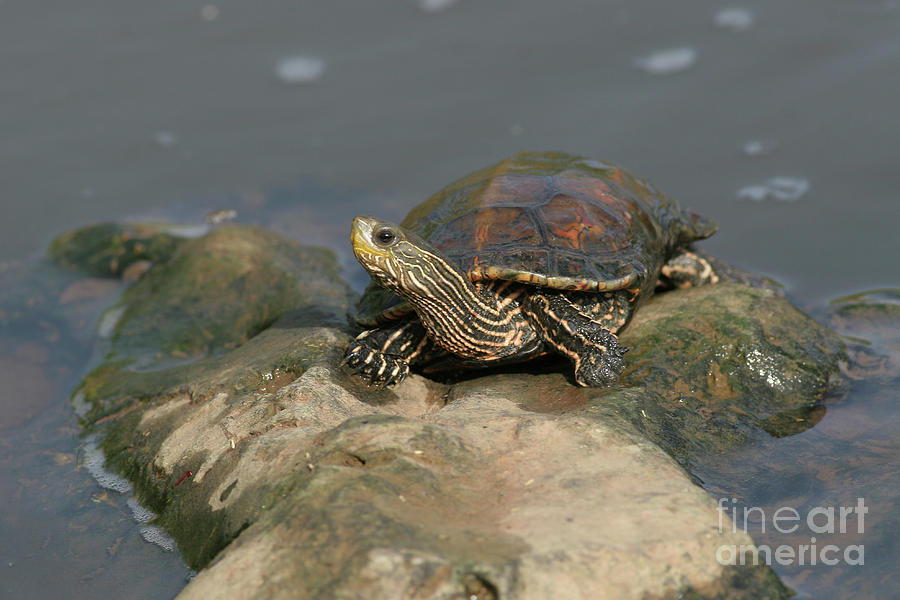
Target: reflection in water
column 665, row 62
column 783, row 188
column 300, row 69
column 54, row 517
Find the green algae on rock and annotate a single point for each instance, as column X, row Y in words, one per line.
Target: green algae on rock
column 709, row 368
column 721, row 360
column 219, row 290
column 306, row 483
column 108, row 249
column 214, row 294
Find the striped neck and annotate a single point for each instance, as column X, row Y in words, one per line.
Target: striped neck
column 477, row 323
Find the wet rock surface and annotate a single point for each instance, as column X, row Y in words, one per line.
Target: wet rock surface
column 224, row 362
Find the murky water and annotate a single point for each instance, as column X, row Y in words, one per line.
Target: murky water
column 776, row 118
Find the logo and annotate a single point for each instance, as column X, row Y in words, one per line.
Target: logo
column 829, row 521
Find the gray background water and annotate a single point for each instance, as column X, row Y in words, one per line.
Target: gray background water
column 118, row 109
column 410, row 100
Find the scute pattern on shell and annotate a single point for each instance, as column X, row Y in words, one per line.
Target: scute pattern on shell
column 550, row 219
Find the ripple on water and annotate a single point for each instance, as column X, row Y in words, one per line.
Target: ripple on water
column 300, row 69
column 141, row 514
column 155, row 535
column 783, row 188
column 666, row 62
column 95, row 463
column 735, row 19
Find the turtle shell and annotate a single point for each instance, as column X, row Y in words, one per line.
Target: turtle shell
column 549, row 219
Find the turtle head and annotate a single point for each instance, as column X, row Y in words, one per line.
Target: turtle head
column 398, row 259
column 458, row 317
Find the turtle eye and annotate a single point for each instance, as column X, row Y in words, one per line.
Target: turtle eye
column 384, row 236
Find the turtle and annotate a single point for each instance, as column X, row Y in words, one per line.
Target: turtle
column 544, row 252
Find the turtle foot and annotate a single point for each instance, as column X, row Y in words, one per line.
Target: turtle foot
column 602, row 364
column 375, row 367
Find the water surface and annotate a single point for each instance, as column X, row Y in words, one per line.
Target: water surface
column 302, row 114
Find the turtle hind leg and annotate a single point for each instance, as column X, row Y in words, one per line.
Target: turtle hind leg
column 688, row 268
column 692, row 268
column 382, row 356
column 583, row 333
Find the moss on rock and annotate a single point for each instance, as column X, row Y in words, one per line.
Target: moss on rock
column 108, row 249
column 225, row 361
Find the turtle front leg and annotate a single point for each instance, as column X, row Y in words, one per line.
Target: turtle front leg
column 382, row 356
column 583, row 333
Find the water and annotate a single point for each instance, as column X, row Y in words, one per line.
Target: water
column 173, row 110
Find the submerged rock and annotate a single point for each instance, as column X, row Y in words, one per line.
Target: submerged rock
column 109, row 249
column 225, row 362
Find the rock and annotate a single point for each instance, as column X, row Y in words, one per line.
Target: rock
column 717, row 364
column 108, row 249
column 218, row 291
column 478, row 495
column 306, row 483
column 871, row 320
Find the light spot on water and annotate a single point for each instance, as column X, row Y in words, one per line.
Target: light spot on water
column 210, row 12
column 666, row 62
column 735, row 19
column 516, row 129
column 166, row 139
column 108, row 321
column 88, row 193
column 155, row 535
column 759, row 147
column 433, row 6
column 783, row 188
column 95, row 463
column 300, row 69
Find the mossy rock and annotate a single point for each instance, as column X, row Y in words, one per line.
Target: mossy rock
column 108, row 249
column 708, row 369
column 225, row 361
column 215, row 294
column 218, row 291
